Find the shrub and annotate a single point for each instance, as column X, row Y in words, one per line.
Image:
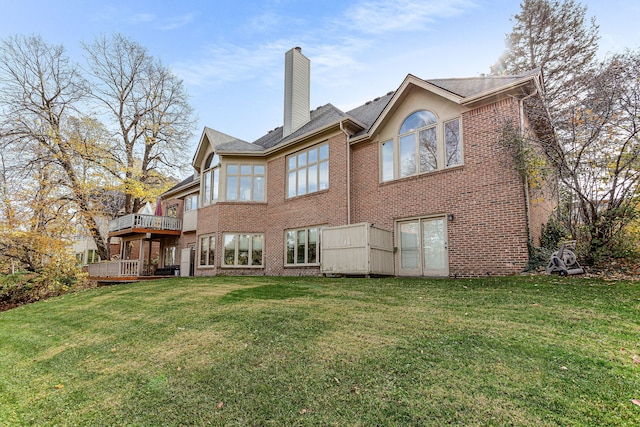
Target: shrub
column 56, row 278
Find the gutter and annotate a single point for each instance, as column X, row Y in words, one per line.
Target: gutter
column 527, row 199
column 348, row 148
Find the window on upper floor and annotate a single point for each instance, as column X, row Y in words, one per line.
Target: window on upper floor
column 172, row 211
column 191, row 202
column 245, row 182
column 210, row 179
column 308, row 171
column 423, row 144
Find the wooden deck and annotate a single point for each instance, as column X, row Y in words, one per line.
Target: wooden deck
column 145, row 224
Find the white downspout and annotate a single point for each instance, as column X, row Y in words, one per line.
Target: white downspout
column 348, row 173
column 526, row 179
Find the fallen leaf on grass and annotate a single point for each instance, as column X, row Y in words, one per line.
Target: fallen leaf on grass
column 636, row 359
column 336, row 380
column 304, row 411
column 59, row 386
column 564, row 368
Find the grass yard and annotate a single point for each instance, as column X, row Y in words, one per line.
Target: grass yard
column 525, row 351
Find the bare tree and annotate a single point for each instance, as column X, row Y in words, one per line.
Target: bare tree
column 150, row 110
column 41, row 94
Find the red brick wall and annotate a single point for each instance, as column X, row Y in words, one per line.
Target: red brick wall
column 488, row 234
column 327, row 207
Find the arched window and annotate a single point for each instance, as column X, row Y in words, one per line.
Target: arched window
column 418, row 144
column 423, row 145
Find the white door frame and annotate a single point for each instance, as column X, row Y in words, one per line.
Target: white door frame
column 414, row 264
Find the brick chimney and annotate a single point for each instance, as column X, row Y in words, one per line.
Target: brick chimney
column 297, row 102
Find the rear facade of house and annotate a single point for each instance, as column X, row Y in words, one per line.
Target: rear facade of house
column 422, row 168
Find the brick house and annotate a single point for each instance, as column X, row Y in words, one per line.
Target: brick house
column 423, row 164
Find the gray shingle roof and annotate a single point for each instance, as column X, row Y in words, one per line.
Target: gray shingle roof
column 320, row 117
column 370, row 111
column 181, row 184
column 365, row 114
column 470, row 86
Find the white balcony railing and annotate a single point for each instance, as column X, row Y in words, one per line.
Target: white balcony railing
column 121, row 268
column 148, row 222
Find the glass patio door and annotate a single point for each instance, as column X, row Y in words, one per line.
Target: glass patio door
column 423, row 247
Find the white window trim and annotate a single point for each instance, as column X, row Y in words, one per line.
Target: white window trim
column 318, row 228
column 441, row 151
column 252, row 176
column 236, row 251
column 298, row 168
column 212, row 238
column 212, row 196
column 188, row 207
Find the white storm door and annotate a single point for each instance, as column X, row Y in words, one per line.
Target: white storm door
column 409, row 235
column 435, row 259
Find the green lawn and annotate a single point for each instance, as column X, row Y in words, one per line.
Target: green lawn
column 525, row 351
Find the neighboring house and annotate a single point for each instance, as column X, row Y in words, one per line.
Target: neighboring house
column 421, row 167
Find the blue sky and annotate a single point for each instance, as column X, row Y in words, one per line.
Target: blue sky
column 230, row 54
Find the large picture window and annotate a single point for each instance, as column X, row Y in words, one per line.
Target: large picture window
column 308, row 171
column 419, row 149
column 243, row 250
column 207, row 250
column 245, row 182
column 302, row 246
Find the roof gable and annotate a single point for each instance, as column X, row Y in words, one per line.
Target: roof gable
column 220, row 142
column 462, row 91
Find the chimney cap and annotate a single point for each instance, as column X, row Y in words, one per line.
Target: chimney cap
column 298, row 48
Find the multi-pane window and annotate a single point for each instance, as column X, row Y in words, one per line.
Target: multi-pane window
column 302, row 246
column 211, row 179
column 245, row 182
column 418, row 149
column 308, row 171
column 207, row 250
column 243, row 250
column 191, row 202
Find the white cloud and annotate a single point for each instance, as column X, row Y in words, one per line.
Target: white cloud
column 141, row 17
column 231, row 63
column 382, row 16
column 177, row 22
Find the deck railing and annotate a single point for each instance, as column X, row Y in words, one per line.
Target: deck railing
column 148, row 222
column 121, row 268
